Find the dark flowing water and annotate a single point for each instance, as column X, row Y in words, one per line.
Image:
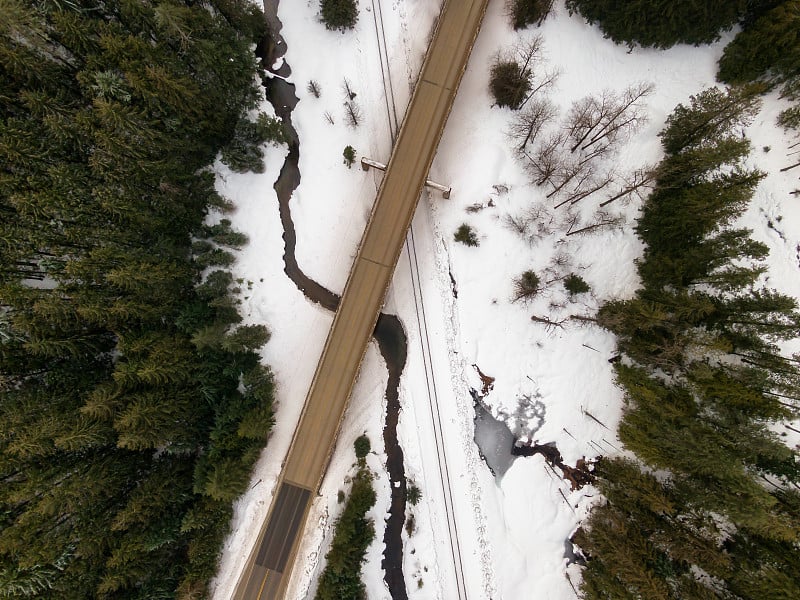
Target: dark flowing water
column 388, row 332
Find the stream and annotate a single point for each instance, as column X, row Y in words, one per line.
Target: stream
column 388, row 332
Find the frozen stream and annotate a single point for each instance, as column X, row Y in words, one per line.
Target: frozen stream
column 388, row 332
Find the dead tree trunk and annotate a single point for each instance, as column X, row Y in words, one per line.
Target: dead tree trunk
column 577, row 197
column 790, row 167
column 567, row 174
column 602, row 222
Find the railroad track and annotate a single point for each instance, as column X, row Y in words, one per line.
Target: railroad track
column 422, row 325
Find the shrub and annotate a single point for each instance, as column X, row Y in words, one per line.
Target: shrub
column 411, row 524
column 349, row 156
column 509, row 83
column 466, row 235
column 362, row 446
column 526, row 12
column 339, row 14
column 314, row 88
column 526, row 286
column 413, row 494
column 575, row 284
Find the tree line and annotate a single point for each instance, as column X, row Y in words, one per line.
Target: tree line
column 705, row 504
column 767, row 49
column 133, row 402
column 662, row 23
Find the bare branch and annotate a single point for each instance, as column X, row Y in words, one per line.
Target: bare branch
column 790, row 167
column 347, row 88
column 594, row 186
column 529, row 122
column 639, row 181
column 527, row 51
column 602, row 220
column 540, row 82
column 352, row 113
column 545, row 160
column 567, row 173
column 592, row 119
column 551, row 324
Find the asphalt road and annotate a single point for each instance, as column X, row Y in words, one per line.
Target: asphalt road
column 269, row 567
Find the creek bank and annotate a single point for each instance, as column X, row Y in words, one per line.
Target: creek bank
column 388, row 333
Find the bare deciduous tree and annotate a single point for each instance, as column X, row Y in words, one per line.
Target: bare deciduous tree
column 595, row 184
column 550, row 323
column 545, row 160
column 570, row 221
column 526, row 55
column 347, row 88
column 593, row 119
column 526, row 51
column 567, row 172
column 352, row 113
column 532, row 224
column 540, row 81
column 529, row 122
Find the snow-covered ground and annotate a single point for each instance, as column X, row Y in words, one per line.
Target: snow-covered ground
column 511, row 533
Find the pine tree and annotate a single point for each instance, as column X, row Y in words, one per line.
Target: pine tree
column 339, row 14
column 711, row 116
column 509, row 83
column 527, row 12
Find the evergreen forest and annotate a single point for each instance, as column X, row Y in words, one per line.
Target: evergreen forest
column 132, row 401
column 662, row 23
column 709, row 506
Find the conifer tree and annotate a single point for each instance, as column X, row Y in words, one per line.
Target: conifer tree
column 708, row 508
column 769, row 47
